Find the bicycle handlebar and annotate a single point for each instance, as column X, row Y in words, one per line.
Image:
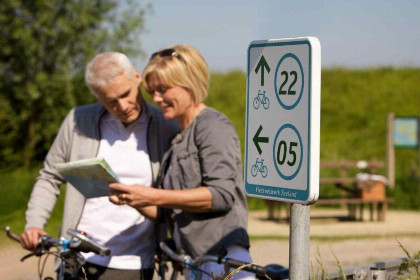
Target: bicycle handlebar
column 86, row 244
column 66, row 249
column 259, row 270
column 273, row 271
column 11, row 234
column 79, row 242
column 174, row 256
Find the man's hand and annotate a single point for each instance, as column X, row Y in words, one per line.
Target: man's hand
column 30, row 237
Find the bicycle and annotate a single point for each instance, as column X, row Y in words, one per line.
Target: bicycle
column 261, row 99
column 259, row 167
column 182, row 261
column 67, row 250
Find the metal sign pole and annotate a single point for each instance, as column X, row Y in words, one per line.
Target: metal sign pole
column 299, row 242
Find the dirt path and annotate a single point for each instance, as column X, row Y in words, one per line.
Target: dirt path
column 11, row 267
column 349, row 253
column 370, row 242
column 365, row 242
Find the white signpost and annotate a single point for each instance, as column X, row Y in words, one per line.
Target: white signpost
column 282, row 120
column 282, row 133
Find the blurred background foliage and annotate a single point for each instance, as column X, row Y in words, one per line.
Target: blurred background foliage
column 45, row 45
column 44, row 48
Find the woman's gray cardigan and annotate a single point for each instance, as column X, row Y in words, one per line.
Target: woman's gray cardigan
column 207, row 153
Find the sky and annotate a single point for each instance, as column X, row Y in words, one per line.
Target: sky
column 352, row 33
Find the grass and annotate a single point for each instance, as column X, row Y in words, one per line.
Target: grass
column 324, row 272
column 409, row 268
column 15, row 190
column 340, row 267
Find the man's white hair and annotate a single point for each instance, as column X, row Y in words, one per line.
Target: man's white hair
column 104, row 67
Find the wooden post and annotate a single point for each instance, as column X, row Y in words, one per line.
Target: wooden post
column 418, row 147
column 382, row 208
column 271, row 208
column 390, row 152
column 371, row 210
column 343, row 175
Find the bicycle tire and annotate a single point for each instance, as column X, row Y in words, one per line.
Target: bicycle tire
column 266, row 103
column 256, row 103
column 254, row 170
column 264, row 171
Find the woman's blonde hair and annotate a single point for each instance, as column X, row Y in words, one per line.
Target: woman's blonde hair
column 180, row 65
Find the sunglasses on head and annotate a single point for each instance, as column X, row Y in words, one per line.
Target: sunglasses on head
column 166, row 52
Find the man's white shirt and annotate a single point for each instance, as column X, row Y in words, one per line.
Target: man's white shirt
column 128, row 234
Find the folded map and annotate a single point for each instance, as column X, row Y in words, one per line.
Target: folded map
column 89, row 176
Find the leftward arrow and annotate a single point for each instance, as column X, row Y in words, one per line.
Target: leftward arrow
column 262, row 64
column 257, row 139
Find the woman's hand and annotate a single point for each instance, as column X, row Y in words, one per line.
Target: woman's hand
column 133, row 195
column 139, row 197
column 193, row 200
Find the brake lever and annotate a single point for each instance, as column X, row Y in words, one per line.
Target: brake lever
column 28, row 256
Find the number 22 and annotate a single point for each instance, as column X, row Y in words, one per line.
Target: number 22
column 289, row 91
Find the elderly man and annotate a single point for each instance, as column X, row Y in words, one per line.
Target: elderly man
column 131, row 135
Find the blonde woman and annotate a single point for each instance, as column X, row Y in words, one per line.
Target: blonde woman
column 200, row 187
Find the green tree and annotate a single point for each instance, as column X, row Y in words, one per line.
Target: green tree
column 44, row 47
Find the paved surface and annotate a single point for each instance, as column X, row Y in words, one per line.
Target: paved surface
column 366, row 242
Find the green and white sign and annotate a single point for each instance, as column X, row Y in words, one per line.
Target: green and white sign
column 283, row 120
column 406, row 132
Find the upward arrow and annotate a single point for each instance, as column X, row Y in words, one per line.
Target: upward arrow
column 257, row 139
column 262, row 64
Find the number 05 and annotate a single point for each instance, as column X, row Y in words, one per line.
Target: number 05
column 282, row 150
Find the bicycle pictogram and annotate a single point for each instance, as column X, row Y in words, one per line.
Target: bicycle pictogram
column 259, row 167
column 261, row 99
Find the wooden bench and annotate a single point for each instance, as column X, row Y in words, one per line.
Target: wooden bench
column 351, row 197
column 345, row 182
column 356, row 206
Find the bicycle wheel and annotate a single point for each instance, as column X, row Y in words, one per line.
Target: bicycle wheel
column 254, row 170
column 256, row 102
column 264, row 171
column 266, row 103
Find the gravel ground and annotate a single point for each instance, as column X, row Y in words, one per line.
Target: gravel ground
column 365, row 242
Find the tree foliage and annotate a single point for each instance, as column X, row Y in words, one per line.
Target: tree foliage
column 44, row 47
